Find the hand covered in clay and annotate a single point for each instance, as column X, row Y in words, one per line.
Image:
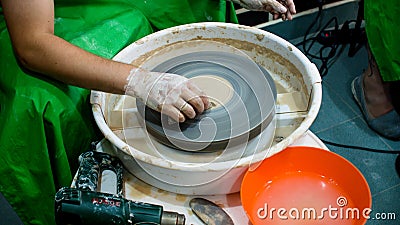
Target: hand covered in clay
column 280, row 8
column 170, row 94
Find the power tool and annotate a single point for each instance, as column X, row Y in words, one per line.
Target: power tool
column 85, row 205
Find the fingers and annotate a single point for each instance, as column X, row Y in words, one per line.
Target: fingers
column 190, row 101
column 201, row 94
column 181, row 109
column 193, row 99
column 172, row 112
column 288, row 14
column 285, row 16
column 290, row 5
column 177, row 97
column 185, row 108
column 276, row 6
column 291, row 9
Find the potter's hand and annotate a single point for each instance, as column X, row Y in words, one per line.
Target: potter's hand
column 170, row 94
column 280, row 8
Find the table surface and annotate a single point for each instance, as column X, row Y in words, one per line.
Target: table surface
column 137, row 190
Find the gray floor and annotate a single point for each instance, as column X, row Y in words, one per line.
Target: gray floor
column 341, row 121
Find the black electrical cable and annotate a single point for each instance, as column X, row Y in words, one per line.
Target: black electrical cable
column 360, row 147
column 330, row 48
column 305, row 38
column 314, row 40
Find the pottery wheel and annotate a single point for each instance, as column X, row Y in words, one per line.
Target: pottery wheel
column 242, row 95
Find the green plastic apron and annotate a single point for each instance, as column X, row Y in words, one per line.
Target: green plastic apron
column 45, row 124
column 382, row 27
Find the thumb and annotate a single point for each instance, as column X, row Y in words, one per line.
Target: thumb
column 275, row 5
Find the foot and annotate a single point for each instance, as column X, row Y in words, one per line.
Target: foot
column 386, row 124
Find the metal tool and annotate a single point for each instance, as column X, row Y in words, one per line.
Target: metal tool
column 85, row 205
column 209, row 212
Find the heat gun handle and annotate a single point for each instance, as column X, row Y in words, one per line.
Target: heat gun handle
column 92, row 164
column 75, row 206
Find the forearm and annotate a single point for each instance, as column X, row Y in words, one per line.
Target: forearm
column 55, row 57
column 31, row 27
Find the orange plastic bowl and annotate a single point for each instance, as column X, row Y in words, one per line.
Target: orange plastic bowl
column 306, row 185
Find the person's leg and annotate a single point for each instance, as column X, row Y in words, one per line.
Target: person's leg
column 376, row 90
column 377, row 100
column 377, row 97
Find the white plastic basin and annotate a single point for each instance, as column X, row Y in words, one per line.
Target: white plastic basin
column 299, row 91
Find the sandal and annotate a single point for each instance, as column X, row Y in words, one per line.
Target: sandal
column 387, row 125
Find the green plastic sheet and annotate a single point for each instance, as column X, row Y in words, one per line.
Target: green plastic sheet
column 382, row 23
column 45, row 124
